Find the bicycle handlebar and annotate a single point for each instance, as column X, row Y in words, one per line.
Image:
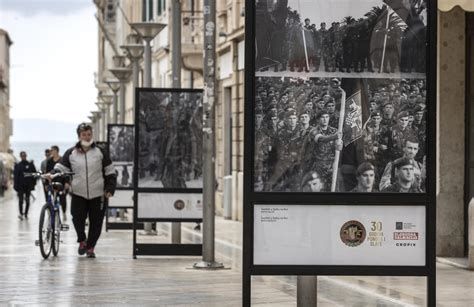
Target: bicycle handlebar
column 43, row 176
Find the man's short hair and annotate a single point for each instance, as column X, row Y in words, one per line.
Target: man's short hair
column 411, row 139
column 46, row 151
column 22, row 153
column 55, row 147
column 363, row 167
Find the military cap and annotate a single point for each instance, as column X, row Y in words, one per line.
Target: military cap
column 403, row 114
column 336, row 80
column 305, row 112
column 375, row 113
column 419, row 108
column 387, row 103
column 363, row 167
column 310, row 176
column 321, row 113
column 291, row 112
column 402, row 162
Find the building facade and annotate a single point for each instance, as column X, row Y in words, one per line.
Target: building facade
column 5, row 120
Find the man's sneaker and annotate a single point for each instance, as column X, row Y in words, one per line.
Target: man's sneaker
column 20, row 217
column 90, row 252
column 82, row 248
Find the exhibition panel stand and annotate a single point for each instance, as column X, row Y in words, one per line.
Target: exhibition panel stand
column 340, row 140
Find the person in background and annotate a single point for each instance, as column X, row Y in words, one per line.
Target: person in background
column 47, row 154
column 51, row 162
column 23, row 185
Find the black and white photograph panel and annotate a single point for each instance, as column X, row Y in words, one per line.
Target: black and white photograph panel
column 377, row 127
column 347, row 38
column 124, row 171
column 121, row 143
column 170, row 140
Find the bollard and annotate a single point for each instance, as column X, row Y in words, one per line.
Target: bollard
column 306, row 291
column 470, row 226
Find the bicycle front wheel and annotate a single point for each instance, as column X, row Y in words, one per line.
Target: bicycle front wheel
column 45, row 231
column 56, row 233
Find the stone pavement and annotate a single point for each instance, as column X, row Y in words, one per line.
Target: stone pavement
column 115, row 278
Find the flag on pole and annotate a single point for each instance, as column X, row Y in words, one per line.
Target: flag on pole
column 353, row 125
column 400, row 7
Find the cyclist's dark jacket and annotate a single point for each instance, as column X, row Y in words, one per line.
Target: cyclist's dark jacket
column 93, row 171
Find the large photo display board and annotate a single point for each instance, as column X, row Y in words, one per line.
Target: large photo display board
column 168, row 153
column 340, row 131
column 309, row 57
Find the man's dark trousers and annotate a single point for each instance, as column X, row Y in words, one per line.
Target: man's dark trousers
column 80, row 209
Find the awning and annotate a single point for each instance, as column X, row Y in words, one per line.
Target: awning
column 447, row 5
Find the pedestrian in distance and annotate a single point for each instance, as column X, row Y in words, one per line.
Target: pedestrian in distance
column 23, row 185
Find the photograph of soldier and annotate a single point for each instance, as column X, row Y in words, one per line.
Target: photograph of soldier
column 121, row 143
column 317, row 37
column 170, row 139
column 300, row 124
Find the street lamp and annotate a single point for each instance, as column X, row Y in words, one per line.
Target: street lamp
column 148, row 31
column 103, row 109
column 114, row 85
column 97, row 117
column 134, row 53
column 122, row 74
column 108, row 101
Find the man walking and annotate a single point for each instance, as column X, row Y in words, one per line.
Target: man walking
column 23, row 185
column 94, row 178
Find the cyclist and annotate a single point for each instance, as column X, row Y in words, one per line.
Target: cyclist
column 94, row 179
column 50, row 163
column 23, row 185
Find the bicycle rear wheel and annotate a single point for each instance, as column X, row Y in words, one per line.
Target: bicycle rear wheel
column 45, row 231
column 56, row 233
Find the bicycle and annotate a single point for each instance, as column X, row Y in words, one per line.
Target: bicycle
column 50, row 225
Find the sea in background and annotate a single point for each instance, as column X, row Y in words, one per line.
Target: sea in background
column 35, row 150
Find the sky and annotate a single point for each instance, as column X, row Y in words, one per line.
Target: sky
column 332, row 10
column 53, row 58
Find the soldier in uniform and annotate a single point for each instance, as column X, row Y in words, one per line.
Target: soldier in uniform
column 262, row 147
column 284, row 177
column 329, row 50
column 322, row 36
column 365, row 178
column 320, row 148
column 405, row 172
column 419, row 125
column 394, row 140
column 333, row 113
column 388, row 120
column 338, row 48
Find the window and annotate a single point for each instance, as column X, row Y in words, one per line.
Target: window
column 161, row 7
column 147, row 10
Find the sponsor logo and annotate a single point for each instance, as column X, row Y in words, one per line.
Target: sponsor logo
column 404, row 226
column 375, row 236
column 405, row 236
column 179, row 204
column 352, row 233
column 406, row 244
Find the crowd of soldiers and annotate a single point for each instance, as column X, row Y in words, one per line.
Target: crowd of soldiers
column 369, row 44
column 297, row 135
column 170, row 138
column 121, row 144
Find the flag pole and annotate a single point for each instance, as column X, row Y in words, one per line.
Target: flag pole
column 385, row 38
column 305, row 48
column 339, row 129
